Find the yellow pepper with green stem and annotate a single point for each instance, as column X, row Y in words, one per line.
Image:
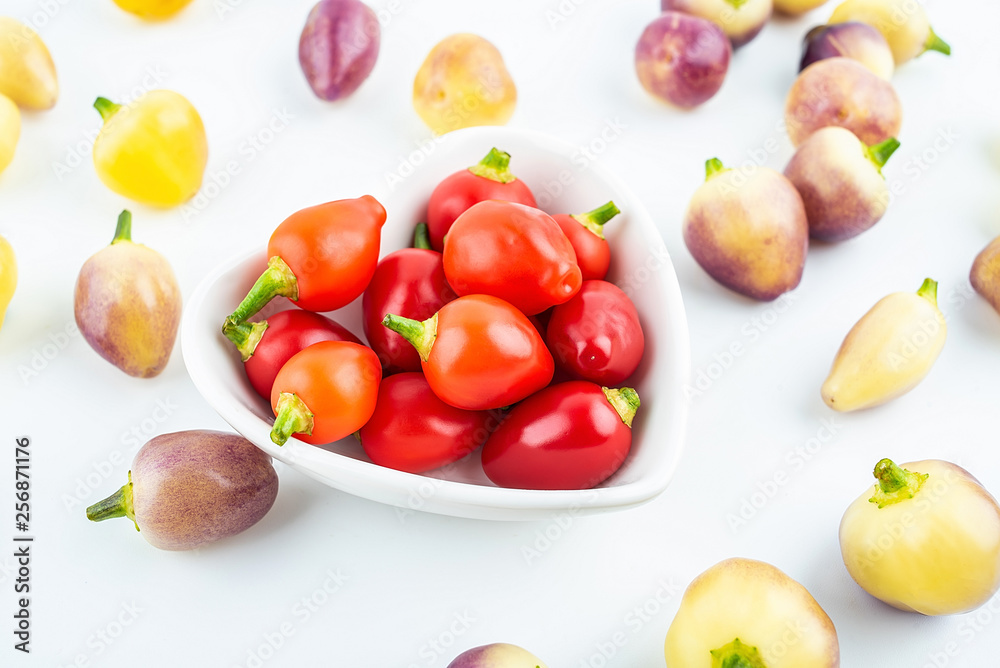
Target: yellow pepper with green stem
column 153, row 150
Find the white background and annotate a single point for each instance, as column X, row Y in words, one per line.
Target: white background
column 417, row 582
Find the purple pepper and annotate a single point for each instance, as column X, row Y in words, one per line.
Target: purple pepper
column 854, row 40
column 190, row 488
column 338, row 47
column 497, row 655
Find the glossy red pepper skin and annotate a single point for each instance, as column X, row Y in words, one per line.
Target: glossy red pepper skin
column 410, row 283
column 567, row 436
column 287, row 333
column 597, row 335
column 321, row 257
column 481, row 353
column 593, row 254
column 459, row 191
column 513, row 252
column 335, row 383
column 412, row 430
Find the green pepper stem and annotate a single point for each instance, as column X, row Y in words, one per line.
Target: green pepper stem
column 737, row 655
column 292, row 417
column 495, row 167
column 714, row 167
column 244, row 335
column 625, row 402
column 123, row 232
column 879, row 154
column 895, row 484
column 935, row 43
column 421, row 335
column 422, row 236
column 106, row 108
column 596, row 219
column 928, row 290
column 277, row 279
column 118, row 504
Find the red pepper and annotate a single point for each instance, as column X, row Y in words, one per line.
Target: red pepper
column 325, row 392
column 408, row 282
column 586, row 232
column 573, row 435
column 478, row 352
column 414, row 431
column 513, row 252
column 321, row 258
column 266, row 345
column 490, row 179
column 596, row 335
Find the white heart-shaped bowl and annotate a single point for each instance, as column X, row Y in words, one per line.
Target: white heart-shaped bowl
column 564, row 179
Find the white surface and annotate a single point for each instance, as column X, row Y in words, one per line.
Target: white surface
column 462, row 489
column 421, row 587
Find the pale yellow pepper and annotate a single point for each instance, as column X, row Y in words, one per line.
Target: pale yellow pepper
column 10, row 130
column 747, row 613
column 8, row 276
column 27, row 73
column 903, row 23
column 153, row 150
column 888, row 352
column 153, row 9
column 463, row 83
column 925, row 538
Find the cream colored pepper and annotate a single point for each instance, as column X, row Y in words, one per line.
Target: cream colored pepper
column 888, row 352
column 903, row 23
column 748, row 613
column 925, row 539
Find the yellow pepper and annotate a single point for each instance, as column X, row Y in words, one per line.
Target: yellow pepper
column 153, row 9
column 27, row 73
column 463, row 83
column 8, row 276
column 925, row 538
column 10, row 130
column 154, row 150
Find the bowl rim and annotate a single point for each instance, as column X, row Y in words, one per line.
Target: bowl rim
column 450, row 497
